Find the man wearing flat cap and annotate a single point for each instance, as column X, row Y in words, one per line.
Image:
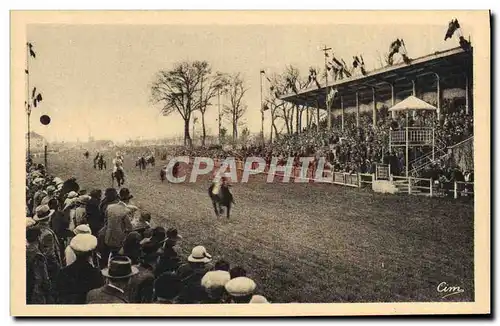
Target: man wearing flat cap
column 240, row 289
column 118, row 273
column 77, row 279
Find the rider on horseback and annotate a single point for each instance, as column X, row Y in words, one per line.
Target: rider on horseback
column 118, row 164
column 218, row 183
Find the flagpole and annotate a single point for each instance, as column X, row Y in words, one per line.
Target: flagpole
column 261, row 110
column 28, row 107
column 328, row 109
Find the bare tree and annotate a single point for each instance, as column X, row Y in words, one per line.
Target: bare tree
column 174, row 90
column 236, row 108
column 210, row 84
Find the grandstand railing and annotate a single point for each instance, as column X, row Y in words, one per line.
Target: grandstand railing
column 416, row 136
column 382, row 172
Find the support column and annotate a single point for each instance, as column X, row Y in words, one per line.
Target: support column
column 393, row 101
column 357, row 109
column 414, row 84
column 342, row 110
column 466, row 94
column 317, row 116
column 374, row 118
column 438, row 96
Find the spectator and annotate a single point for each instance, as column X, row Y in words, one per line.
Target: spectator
column 237, row 271
column 80, row 276
column 81, row 210
column 199, row 263
column 213, row 282
column 118, row 273
column 94, row 217
column 38, row 286
column 141, row 285
column 143, row 223
column 69, row 254
column 131, row 247
column 167, row 288
column 240, row 289
column 258, row 299
column 118, row 225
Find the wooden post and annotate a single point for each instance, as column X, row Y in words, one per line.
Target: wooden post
column 342, row 109
column 409, row 185
column 374, row 118
column 455, row 193
column 430, row 188
column 393, row 100
column 45, row 159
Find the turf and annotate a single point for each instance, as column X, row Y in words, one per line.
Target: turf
column 312, row 242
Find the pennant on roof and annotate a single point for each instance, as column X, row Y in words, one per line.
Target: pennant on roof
column 32, row 53
column 452, row 27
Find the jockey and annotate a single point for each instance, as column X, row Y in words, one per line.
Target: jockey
column 118, row 163
column 218, row 183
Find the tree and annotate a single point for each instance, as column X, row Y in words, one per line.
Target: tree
column 175, row 91
column 236, row 108
column 245, row 135
column 210, row 85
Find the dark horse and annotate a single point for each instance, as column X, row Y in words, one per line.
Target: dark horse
column 68, row 186
column 150, row 160
column 86, row 154
column 175, row 171
column 141, row 163
column 101, row 163
column 119, row 176
column 223, row 199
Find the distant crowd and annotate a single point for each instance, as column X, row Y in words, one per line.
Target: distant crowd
column 93, row 249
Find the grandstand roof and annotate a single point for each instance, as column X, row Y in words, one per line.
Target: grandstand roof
column 448, row 64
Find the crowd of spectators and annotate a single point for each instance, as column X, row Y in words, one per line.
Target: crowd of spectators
column 92, row 249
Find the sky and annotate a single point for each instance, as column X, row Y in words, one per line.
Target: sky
column 96, row 79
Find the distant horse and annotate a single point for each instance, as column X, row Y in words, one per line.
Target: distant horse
column 223, row 199
column 101, row 163
column 86, row 154
column 150, row 160
column 175, row 171
column 141, row 163
column 118, row 176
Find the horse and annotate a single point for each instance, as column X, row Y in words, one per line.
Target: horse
column 101, row 163
column 68, row 186
column 175, row 171
column 86, row 154
column 223, row 199
column 141, row 163
column 118, row 176
column 150, row 160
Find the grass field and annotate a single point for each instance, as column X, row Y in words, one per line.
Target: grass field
column 312, row 242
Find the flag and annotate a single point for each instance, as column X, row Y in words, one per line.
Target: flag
column 355, row 62
column 331, row 95
column 265, row 107
column 32, row 53
column 37, row 99
column 464, row 44
column 393, row 49
column 452, row 27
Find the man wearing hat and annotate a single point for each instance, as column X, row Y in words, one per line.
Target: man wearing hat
column 118, row 222
column 141, row 285
column 166, row 288
column 143, row 223
column 118, row 273
column 199, row 263
column 77, row 279
column 50, row 194
column 241, row 289
column 49, row 242
column 94, row 216
column 213, row 282
column 69, row 254
column 81, row 210
column 38, row 287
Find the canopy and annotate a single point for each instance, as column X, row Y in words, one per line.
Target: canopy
column 412, row 103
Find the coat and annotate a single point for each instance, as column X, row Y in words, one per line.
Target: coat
column 141, row 285
column 51, row 249
column 191, row 275
column 106, row 294
column 118, row 224
column 76, row 280
column 38, row 286
column 94, row 216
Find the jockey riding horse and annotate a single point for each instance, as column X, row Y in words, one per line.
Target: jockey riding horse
column 221, row 196
column 118, row 172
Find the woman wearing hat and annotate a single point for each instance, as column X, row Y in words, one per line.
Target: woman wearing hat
column 118, row 274
column 77, row 279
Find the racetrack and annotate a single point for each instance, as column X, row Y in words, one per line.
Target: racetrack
column 311, row 242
